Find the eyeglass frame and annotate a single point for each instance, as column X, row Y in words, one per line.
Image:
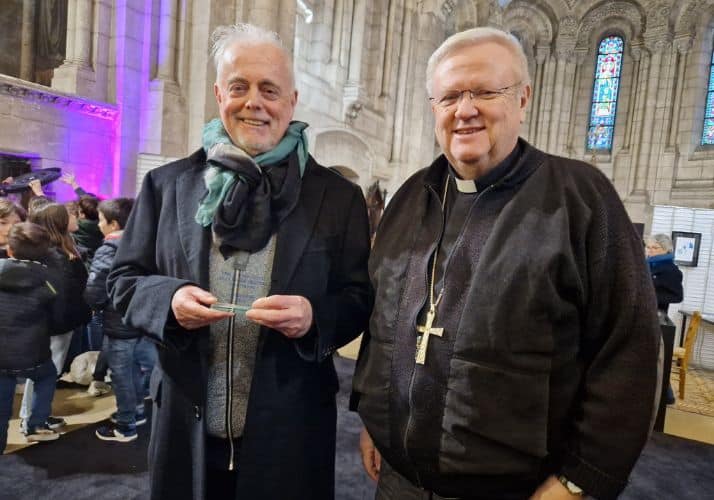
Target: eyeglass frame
column 480, row 95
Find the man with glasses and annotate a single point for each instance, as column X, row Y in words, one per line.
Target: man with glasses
column 246, row 262
column 512, row 349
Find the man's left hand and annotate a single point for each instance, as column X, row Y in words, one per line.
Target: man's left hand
column 291, row 315
column 551, row 489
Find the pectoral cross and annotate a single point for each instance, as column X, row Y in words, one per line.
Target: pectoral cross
column 426, row 329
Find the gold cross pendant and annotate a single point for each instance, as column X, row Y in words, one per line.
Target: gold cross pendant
column 426, row 329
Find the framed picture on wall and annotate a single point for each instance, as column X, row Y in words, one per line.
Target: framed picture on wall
column 686, row 248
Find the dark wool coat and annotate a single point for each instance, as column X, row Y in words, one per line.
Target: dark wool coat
column 29, row 310
column 322, row 249
column 667, row 281
column 71, row 279
column 548, row 359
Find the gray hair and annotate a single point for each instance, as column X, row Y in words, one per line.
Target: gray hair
column 662, row 240
column 248, row 34
column 476, row 36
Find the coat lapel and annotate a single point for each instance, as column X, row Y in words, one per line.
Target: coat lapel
column 195, row 239
column 297, row 228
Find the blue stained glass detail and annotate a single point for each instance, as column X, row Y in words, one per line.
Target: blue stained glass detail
column 605, row 91
column 708, row 133
column 708, row 128
column 611, row 45
column 602, row 113
column 709, row 109
column 608, row 65
column 600, row 137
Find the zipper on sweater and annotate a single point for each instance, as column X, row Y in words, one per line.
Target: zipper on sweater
column 413, row 376
column 426, row 279
column 229, row 373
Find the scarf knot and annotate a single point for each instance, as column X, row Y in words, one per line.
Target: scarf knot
column 248, row 196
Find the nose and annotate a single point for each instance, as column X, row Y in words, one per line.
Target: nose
column 465, row 106
column 253, row 99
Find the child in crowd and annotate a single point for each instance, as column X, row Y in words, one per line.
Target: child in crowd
column 130, row 357
column 10, row 214
column 64, row 261
column 30, row 312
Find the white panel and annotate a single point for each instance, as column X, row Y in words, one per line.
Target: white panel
column 698, row 281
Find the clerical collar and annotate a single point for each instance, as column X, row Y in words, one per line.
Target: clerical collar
column 490, row 177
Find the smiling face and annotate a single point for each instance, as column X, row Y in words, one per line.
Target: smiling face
column 256, row 95
column 476, row 135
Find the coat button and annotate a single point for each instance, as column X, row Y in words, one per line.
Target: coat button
column 197, row 412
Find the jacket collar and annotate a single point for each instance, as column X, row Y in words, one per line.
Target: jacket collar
column 510, row 173
column 292, row 237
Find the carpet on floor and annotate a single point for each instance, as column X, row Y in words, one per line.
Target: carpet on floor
column 79, row 466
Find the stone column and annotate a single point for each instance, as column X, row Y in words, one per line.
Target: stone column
column 570, row 148
column 559, row 97
column 76, row 75
column 682, row 46
column 166, row 123
column 544, row 113
column 538, row 90
column 651, row 85
column 27, row 60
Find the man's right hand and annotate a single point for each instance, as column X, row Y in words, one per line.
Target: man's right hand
column 371, row 459
column 190, row 306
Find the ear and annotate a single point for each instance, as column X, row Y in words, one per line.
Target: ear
column 523, row 100
column 217, row 93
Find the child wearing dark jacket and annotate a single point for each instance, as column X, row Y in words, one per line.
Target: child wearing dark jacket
column 30, row 311
column 130, row 357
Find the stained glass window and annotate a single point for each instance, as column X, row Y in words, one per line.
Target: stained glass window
column 708, row 132
column 605, row 90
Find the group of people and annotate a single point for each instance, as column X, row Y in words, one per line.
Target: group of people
column 53, row 269
column 511, row 342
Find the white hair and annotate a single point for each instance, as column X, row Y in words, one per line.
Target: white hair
column 476, row 36
column 662, row 240
column 248, row 34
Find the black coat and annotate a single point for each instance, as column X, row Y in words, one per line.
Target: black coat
column 96, row 292
column 667, row 281
column 71, row 279
column 29, row 310
column 321, row 253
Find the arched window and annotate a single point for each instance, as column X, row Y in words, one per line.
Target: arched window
column 708, row 132
column 605, row 91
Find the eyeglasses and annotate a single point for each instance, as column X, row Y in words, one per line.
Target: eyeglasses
column 476, row 96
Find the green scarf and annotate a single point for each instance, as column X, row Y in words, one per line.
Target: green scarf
column 221, row 151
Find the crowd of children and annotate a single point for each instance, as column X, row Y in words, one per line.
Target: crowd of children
column 54, row 260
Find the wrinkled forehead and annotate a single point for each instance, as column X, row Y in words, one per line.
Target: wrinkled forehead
column 487, row 63
column 257, row 59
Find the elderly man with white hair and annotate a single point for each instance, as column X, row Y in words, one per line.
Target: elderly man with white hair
column 246, row 263
column 512, row 349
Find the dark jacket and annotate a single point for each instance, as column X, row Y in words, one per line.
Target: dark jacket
column 29, row 312
column 71, row 279
column 667, row 280
column 96, row 292
column 322, row 247
column 548, row 360
column 88, row 238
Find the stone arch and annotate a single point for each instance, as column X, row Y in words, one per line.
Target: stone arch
column 621, row 17
column 535, row 18
column 690, row 14
column 345, row 150
column 465, row 15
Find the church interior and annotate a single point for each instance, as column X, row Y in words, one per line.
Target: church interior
column 109, row 90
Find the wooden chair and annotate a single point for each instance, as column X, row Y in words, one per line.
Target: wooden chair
column 682, row 355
